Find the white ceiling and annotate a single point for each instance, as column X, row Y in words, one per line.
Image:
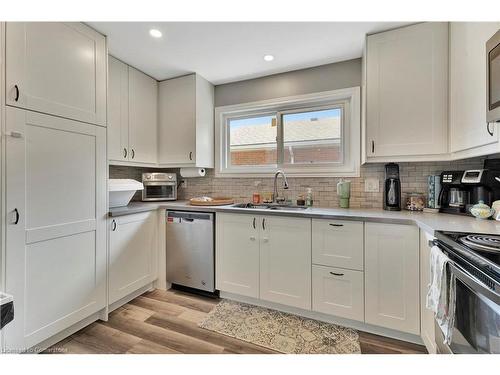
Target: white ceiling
column 231, row 51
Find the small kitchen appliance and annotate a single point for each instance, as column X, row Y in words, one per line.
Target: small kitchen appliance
column 159, row 186
column 344, row 192
column 392, row 188
column 461, row 190
column 493, row 80
column 475, row 263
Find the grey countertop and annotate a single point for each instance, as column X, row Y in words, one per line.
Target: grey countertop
column 430, row 222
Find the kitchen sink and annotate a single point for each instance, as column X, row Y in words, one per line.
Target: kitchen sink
column 270, row 207
column 288, row 208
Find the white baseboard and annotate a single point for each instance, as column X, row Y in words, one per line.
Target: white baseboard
column 361, row 326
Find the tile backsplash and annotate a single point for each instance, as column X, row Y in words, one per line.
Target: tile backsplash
column 413, row 179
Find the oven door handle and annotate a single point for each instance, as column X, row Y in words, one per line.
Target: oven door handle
column 474, row 283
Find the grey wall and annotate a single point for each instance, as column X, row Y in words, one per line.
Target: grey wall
column 320, row 78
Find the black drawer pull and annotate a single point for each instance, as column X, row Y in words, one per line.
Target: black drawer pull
column 17, row 93
column 336, row 274
column 336, row 225
column 16, row 220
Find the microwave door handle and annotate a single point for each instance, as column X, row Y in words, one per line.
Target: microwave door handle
column 474, row 283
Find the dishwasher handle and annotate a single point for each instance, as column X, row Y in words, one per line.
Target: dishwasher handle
column 190, row 216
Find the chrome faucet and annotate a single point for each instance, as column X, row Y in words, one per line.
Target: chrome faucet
column 285, row 186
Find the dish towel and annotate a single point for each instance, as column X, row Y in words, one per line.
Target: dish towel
column 441, row 293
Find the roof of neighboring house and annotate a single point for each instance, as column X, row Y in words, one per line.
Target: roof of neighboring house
column 295, row 131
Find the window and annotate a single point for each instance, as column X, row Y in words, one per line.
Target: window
column 309, row 135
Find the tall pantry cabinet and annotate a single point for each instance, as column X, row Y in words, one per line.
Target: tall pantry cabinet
column 55, row 173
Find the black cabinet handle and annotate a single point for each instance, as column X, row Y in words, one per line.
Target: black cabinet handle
column 336, row 225
column 488, row 129
column 17, row 93
column 191, row 155
column 113, row 226
column 124, row 152
column 17, row 216
column 133, row 153
column 336, row 274
column 254, row 227
column 373, row 147
column 264, row 223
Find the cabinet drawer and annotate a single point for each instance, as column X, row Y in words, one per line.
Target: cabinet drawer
column 337, row 243
column 338, row 292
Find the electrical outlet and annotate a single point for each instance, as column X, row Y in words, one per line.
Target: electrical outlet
column 184, row 184
column 371, row 185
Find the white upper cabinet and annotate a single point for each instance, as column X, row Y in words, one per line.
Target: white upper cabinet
column 186, row 122
column 132, row 116
column 117, row 110
column 407, row 93
column 392, row 277
column 468, row 125
column 57, row 68
column 143, row 117
column 237, row 254
column 285, row 261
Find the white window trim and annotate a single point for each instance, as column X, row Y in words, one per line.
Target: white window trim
column 352, row 133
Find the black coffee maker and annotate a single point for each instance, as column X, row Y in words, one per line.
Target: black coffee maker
column 460, row 190
column 392, row 188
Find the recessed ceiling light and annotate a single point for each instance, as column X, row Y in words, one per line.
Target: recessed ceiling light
column 155, row 33
column 268, row 57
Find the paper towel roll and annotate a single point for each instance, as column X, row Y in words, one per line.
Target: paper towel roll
column 193, row 172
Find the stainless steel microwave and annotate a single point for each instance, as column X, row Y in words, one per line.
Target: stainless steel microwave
column 493, row 78
column 159, row 187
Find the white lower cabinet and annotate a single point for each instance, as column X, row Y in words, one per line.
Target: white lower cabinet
column 266, row 257
column 338, row 292
column 285, row 261
column 132, row 253
column 426, row 316
column 237, row 254
column 337, row 243
column 392, row 277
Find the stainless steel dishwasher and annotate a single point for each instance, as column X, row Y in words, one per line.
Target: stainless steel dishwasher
column 190, row 250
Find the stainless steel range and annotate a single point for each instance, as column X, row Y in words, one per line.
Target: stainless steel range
column 475, row 261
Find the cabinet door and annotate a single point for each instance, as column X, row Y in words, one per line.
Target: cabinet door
column 426, row 316
column 117, row 110
column 143, row 124
column 57, row 68
column 407, row 91
column 468, row 123
column 338, row 292
column 337, row 243
column 237, row 254
column 132, row 243
column 56, row 229
column 285, row 261
column 178, row 121
column 392, row 277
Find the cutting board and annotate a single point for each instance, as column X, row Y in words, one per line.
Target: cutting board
column 217, row 201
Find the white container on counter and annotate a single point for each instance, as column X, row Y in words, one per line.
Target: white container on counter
column 121, row 191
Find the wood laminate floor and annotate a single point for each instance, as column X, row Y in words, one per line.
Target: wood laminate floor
column 165, row 322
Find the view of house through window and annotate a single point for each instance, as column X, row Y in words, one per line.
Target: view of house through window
column 309, row 137
column 252, row 140
column 312, row 137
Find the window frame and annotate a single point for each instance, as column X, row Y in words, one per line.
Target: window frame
column 348, row 98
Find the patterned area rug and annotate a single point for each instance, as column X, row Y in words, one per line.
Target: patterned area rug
column 283, row 332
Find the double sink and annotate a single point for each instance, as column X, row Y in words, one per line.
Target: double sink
column 270, row 206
